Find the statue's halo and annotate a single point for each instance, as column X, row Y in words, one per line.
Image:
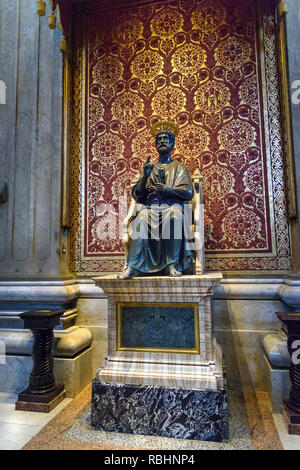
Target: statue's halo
column 164, row 126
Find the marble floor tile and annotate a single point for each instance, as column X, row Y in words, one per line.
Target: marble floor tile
column 8, row 414
column 18, row 427
column 7, row 398
column 14, row 436
column 289, row 442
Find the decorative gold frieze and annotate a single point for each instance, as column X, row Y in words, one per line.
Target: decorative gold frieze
column 282, row 8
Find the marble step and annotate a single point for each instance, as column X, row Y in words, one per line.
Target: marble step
column 67, row 343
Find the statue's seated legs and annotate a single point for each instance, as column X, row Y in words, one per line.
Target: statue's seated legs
column 157, row 243
column 131, row 272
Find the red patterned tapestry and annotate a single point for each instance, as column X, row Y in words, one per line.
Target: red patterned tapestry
column 200, row 64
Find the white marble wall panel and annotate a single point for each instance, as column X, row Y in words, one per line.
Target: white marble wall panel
column 293, row 48
column 30, row 142
column 9, row 28
column 25, row 130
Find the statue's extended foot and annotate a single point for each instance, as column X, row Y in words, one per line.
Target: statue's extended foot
column 128, row 273
column 173, row 272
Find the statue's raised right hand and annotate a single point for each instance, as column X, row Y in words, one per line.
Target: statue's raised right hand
column 148, row 167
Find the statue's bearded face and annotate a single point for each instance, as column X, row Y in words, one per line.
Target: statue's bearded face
column 164, row 142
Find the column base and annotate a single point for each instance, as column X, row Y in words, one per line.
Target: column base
column 292, row 418
column 160, row 411
column 278, row 384
column 43, row 403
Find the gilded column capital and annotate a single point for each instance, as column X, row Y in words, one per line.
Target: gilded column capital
column 282, row 8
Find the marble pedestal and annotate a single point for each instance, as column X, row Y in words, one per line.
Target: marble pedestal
column 164, row 371
column 42, row 393
column 292, row 419
column 291, row 407
column 74, row 372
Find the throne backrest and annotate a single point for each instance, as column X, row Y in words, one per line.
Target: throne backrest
column 197, row 244
column 198, row 222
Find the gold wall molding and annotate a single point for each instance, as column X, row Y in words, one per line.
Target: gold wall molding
column 282, row 8
column 287, row 133
column 67, row 136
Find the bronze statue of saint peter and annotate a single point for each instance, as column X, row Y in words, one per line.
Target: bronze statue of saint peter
column 157, row 244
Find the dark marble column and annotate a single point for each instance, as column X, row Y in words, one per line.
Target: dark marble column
column 291, row 408
column 42, row 393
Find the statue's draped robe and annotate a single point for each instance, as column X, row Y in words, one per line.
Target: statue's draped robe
column 157, row 234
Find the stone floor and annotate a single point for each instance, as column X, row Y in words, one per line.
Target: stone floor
column 288, row 442
column 18, row 427
column 60, row 428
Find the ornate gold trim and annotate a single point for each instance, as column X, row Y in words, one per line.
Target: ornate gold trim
column 288, row 147
column 195, row 350
column 66, row 147
column 282, row 8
